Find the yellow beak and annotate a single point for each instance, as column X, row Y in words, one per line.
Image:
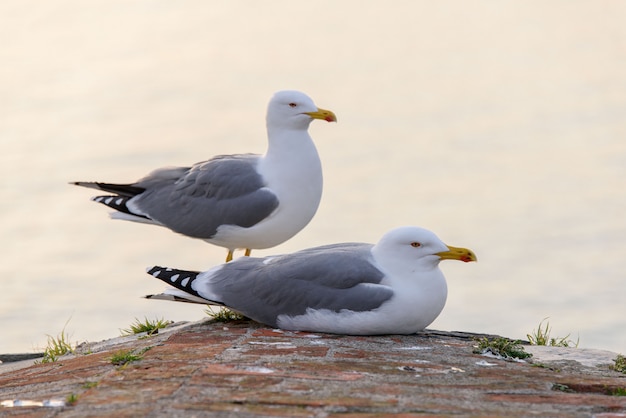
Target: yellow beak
column 458, row 253
column 323, row 114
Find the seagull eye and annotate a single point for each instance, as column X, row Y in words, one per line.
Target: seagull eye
column 292, row 105
column 416, row 244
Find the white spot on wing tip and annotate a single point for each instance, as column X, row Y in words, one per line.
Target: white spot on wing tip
column 108, row 200
column 174, row 277
column 156, row 273
column 185, row 281
column 119, row 201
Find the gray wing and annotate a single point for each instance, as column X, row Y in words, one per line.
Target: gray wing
column 195, row 201
column 334, row 277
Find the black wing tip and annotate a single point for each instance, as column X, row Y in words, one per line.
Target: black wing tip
column 118, row 203
column 156, row 270
column 90, row 184
column 126, row 190
column 180, row 279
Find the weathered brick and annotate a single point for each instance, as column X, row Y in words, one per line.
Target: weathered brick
column 244, row 369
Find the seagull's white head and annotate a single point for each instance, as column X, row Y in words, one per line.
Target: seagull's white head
column 290, row 109
column 410, row 248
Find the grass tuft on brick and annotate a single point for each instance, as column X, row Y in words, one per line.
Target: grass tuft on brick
column 541, row 336
column 150, row 327
column 223, row 314
column 619, row 364
column 123, row 357
column 57, row 347
column 501, row 347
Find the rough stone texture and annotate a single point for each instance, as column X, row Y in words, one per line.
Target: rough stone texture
column 244, row 369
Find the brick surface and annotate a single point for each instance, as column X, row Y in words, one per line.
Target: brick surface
column 244, row 369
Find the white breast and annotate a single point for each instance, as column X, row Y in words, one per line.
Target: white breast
column 293, row 172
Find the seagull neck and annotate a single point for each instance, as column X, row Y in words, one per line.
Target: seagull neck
column 289, row 143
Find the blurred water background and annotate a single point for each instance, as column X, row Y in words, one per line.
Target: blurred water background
column 501, row 126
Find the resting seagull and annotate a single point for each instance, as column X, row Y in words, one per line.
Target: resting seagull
column 236, row 201
column 393, row 287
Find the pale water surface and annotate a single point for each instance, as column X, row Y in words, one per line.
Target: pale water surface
column 499, row 125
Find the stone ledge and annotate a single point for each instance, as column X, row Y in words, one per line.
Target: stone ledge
column 246, row 369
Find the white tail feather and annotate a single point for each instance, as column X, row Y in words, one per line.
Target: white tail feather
column 126, row 217
column 176, row 295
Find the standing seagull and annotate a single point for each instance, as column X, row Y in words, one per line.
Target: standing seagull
column 393, row 287
column 236, row 201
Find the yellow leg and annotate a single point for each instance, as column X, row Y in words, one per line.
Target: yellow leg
column 229, row 257
column 248, row 251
